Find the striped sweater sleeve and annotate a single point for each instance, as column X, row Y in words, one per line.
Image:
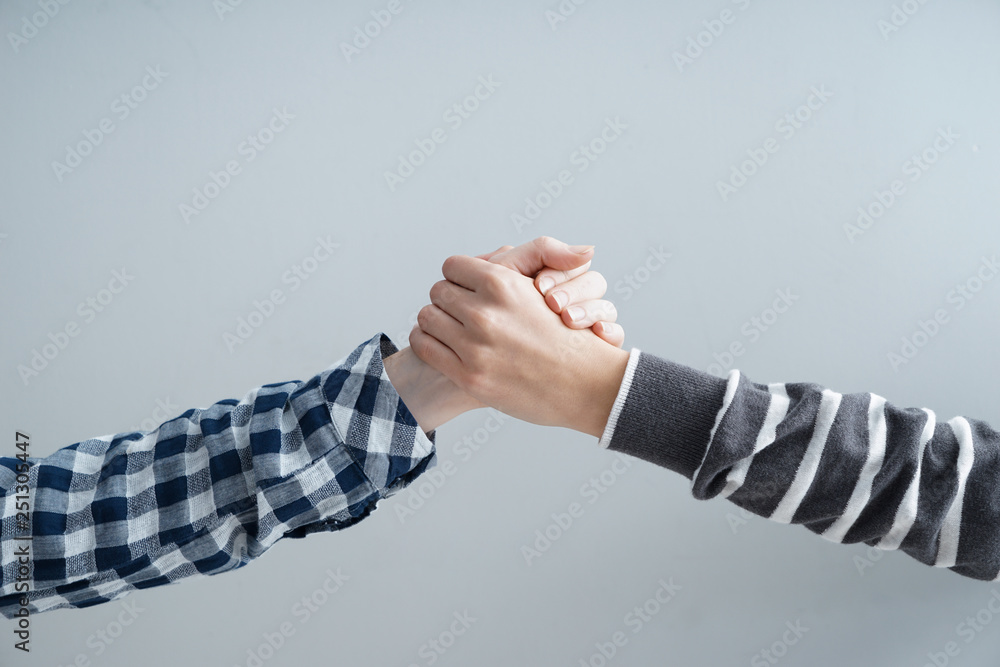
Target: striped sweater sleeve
column 850, row 467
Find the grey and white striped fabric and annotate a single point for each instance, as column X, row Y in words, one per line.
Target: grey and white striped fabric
column 850, row 467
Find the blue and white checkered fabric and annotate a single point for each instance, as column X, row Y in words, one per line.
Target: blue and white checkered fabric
column 214, row 488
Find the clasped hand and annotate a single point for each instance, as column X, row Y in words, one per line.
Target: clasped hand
column 526, row 330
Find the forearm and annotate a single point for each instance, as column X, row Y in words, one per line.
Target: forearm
column 850, row 467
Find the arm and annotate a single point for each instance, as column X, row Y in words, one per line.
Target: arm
column 850, row 467
column 214, row 488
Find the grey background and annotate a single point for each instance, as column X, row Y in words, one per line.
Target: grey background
column 161, row 339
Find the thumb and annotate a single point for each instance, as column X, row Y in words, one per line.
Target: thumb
column 544, row 252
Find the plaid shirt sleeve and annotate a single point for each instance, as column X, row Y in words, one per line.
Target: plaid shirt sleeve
column 212, row 489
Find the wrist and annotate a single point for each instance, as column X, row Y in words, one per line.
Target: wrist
column 430, row 397
column 596, row 388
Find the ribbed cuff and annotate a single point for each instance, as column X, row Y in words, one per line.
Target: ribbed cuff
column 668, row 414
column 616, row 409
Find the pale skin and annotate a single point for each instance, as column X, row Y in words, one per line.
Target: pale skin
column 562, row 340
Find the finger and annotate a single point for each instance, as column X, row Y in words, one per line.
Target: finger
column 453, row 299
column 610, row 332
column 434, row 353
column 587, row 287
column 549, row 278
column 531, row 257
column 585, row 314
column 435, row 322
column 468, row 272
column 488, row 256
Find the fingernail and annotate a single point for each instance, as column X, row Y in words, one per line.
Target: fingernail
column 581, row 249
column 575, row 313
column 546, row 283
column 561, row 299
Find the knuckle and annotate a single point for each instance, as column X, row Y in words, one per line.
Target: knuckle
column 420, row 343
column 476, row 362
column 548, row 273
column 474, row 381
column 449, row 264
column 425, row 316
column 417, row 342
column 496, row 282
column 583, row 323
column 544, row 241
column 441, row 292
column 482, row 319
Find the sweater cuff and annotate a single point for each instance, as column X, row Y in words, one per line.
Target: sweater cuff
column 616, row 409
column 668, row 414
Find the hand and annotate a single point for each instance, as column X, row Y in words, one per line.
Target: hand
column 433, row 399
column 577, row 298
column 489, row 332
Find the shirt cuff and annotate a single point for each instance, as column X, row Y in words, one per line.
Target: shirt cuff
column 616, row 409
column 373, row 422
